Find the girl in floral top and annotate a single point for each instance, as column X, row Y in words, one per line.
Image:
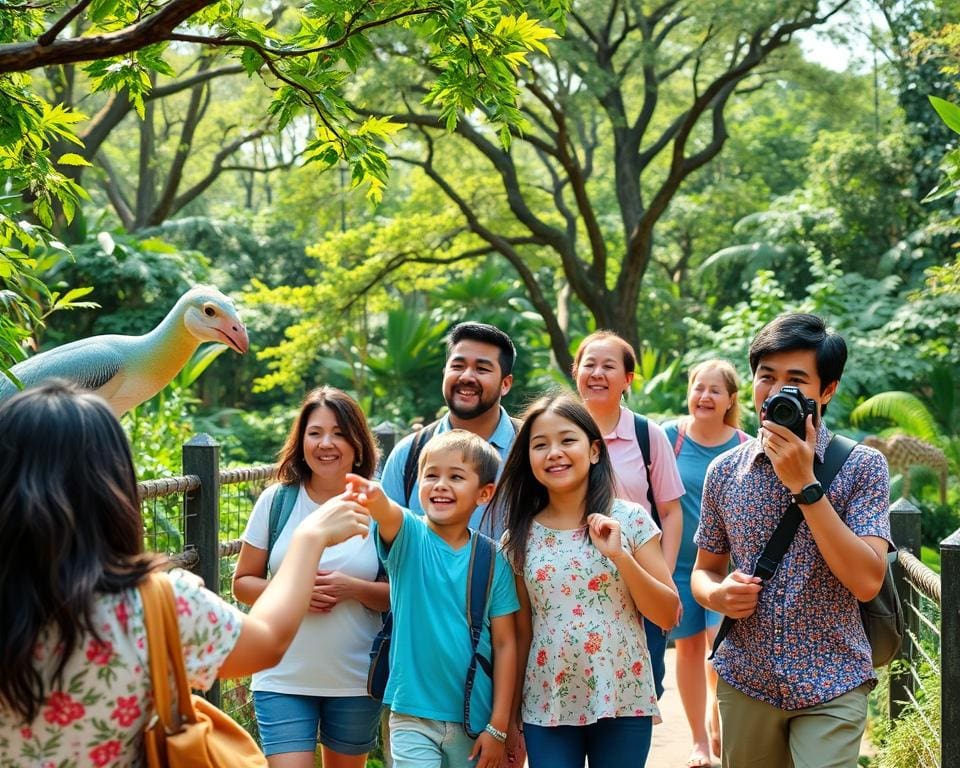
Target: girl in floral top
column 74, row 679
column 587, row 565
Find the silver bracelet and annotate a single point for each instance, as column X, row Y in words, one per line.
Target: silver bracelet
column 500, row 736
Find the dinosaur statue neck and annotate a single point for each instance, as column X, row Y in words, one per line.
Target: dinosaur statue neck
column 170, row 344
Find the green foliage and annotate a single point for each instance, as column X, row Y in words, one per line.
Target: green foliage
column 138, row 279
column 915, row 740
column 476, row 49
column 158, row 429
column 29, row 127
column 950, row 186
column 930, row 557
column 939, row 520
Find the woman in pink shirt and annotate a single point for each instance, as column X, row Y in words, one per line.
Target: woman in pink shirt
column 603, row 369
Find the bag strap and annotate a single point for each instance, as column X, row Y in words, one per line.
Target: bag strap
column 413, row 457
column 836, row 453
column 681, row 436
column 642, row 427
column 479, row 580
column 284, row 500
column 165, row 652
column 742, row 436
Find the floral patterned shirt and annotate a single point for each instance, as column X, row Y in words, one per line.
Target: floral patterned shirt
column 97, row 715
column 805, row 643
column 588, row 658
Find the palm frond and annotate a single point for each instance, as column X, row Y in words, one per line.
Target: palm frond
column 903, row 408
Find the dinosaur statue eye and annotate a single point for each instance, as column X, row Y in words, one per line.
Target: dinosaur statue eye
column 209, row 311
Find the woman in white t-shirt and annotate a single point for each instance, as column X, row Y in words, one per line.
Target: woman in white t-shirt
column 74, row 676
column 318, row 690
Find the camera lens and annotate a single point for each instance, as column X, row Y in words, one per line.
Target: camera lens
column 783, row 412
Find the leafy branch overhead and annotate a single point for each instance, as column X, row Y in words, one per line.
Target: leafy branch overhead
column 305, row 54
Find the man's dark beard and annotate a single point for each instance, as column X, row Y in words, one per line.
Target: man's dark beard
column 466, row 414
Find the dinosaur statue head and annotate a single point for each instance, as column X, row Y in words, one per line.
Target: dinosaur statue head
column 211, row 316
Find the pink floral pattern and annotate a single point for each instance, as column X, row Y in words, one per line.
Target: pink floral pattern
column 588, row 659
column 97, row 713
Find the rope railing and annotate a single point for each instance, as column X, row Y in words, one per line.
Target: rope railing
column 167, row 486
column 925, row 581
column 247, row 474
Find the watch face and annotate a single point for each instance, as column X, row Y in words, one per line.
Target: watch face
column 810, row 494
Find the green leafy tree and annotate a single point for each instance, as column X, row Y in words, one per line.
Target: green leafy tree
column 305, row 60
column 632, row 105
column 305, row 56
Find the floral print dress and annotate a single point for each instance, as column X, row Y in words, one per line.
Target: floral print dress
column 96, row 716
column 588, row 657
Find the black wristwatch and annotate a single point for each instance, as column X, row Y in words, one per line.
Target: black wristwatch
column 809, row 494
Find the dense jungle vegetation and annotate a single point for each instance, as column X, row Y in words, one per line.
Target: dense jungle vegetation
column 360, row 176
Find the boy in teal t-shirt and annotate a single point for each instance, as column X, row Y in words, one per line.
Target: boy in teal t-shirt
column 428, row 560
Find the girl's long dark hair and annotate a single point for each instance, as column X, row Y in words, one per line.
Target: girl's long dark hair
column 520, row 496
column 70, row 528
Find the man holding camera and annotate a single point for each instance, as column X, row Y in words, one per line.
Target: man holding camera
column 795, row 669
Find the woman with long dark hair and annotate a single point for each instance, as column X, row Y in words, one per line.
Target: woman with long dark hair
column 307, row 696
column 74, row 682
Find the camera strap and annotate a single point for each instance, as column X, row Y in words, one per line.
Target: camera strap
column 836, row 453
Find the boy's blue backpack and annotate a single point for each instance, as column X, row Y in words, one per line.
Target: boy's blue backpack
column 479, row 580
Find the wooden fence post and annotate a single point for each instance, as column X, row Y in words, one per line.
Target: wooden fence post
column 950, row 650
column 905, row 530
column 388, row 435
column 201, row 457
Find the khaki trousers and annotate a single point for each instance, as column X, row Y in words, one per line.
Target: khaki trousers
column 755, row 734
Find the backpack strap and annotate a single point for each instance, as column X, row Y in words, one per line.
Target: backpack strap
column 517, row 423
column 642, row 428
column 742, row 436
column 413, row 457
column 479, row 581
column 284, row 500
column 838, row 449
column 681, row 436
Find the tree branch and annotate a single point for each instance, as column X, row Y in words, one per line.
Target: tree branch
column 216, row 168
column 112, row 186
column 51, row 34
column 21, row 57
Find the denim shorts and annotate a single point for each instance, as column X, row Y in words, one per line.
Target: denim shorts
column 418, row 742
column 291, row 723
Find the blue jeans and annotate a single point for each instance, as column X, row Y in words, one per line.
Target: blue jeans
column 613, row 742
column 657, row 646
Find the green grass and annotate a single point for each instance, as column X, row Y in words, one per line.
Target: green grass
column 930, row 558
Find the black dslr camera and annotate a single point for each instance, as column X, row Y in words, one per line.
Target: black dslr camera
column 789, row 408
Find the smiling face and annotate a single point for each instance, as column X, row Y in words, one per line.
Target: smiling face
column 560, row 452
column 326, row 450
column 600, row 374
column 472, row 379
column 797, row 368
column 707, row 399
column 450, row 488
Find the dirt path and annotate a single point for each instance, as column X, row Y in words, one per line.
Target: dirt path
column 671, row 739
